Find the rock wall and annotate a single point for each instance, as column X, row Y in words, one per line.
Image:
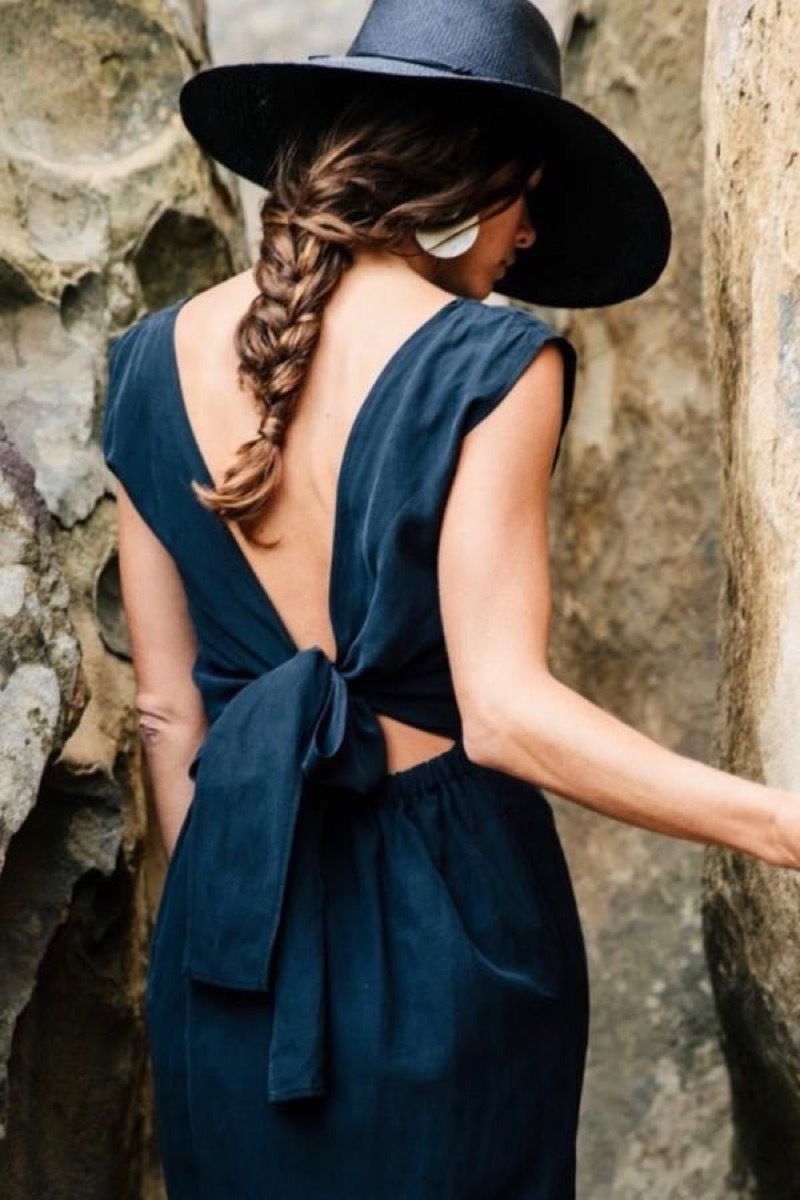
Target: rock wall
column 752, row 254
column 636, row 565
column 106, row 211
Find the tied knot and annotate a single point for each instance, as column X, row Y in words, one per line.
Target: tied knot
column 255, row 898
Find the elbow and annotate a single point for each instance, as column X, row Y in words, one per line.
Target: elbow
column 504, row 734
column 487, row 733
column 159, row 718
column 479, row 738
column 153, row 720
column 499, row 726
column 489, row 745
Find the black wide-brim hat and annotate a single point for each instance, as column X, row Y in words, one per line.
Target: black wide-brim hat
column 603, row 228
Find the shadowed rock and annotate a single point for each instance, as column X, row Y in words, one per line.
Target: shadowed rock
column 107, row 209
column 752, row 269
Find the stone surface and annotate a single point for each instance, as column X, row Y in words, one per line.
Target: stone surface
column 561, row 15
column 42, row 684
column 752, row 254
column 42, row 693
column 636, row 565
column 107, row 209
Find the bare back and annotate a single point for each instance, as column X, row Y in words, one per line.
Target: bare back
column 368, row 318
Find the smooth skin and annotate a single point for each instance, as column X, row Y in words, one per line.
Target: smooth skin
column 494, row 575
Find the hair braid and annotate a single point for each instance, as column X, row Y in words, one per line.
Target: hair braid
column 275, row 339
column 369, row 180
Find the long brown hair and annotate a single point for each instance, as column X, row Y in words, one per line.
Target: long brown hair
column 368, row 180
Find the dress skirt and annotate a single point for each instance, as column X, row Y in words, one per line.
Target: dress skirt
column 457, row 1009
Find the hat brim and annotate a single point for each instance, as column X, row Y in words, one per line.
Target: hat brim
column 603, row 231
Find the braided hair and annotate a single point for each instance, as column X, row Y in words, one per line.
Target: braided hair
column 368, row 180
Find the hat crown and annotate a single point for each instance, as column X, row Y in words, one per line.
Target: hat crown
column 507, row 40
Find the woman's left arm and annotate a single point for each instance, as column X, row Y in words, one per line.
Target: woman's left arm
column 172, row 722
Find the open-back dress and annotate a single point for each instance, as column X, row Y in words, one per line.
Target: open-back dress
column 362, row 985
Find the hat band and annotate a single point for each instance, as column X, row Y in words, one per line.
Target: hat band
column 412, row 62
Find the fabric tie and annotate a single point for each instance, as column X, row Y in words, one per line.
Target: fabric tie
column 254, row 874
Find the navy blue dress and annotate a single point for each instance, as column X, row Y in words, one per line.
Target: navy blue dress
column 362, row 985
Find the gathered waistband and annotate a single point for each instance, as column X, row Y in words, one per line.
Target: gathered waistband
column 453, row 764
column 412, row 782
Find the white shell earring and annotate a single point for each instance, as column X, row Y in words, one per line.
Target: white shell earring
column 451, row 240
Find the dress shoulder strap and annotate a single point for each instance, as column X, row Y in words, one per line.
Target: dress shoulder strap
column 467, row 367
column 501, row 343
column 133, row 448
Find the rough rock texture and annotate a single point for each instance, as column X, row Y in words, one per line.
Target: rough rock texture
column 43, row 692
column 107, row 209
column 561, row 15
column 635, row 545
column 752, row 245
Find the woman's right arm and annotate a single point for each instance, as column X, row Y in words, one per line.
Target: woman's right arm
column 495, row 595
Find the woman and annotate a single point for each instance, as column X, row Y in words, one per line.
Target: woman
column 367, row 976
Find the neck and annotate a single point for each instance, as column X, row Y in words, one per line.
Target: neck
column 408, row 260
